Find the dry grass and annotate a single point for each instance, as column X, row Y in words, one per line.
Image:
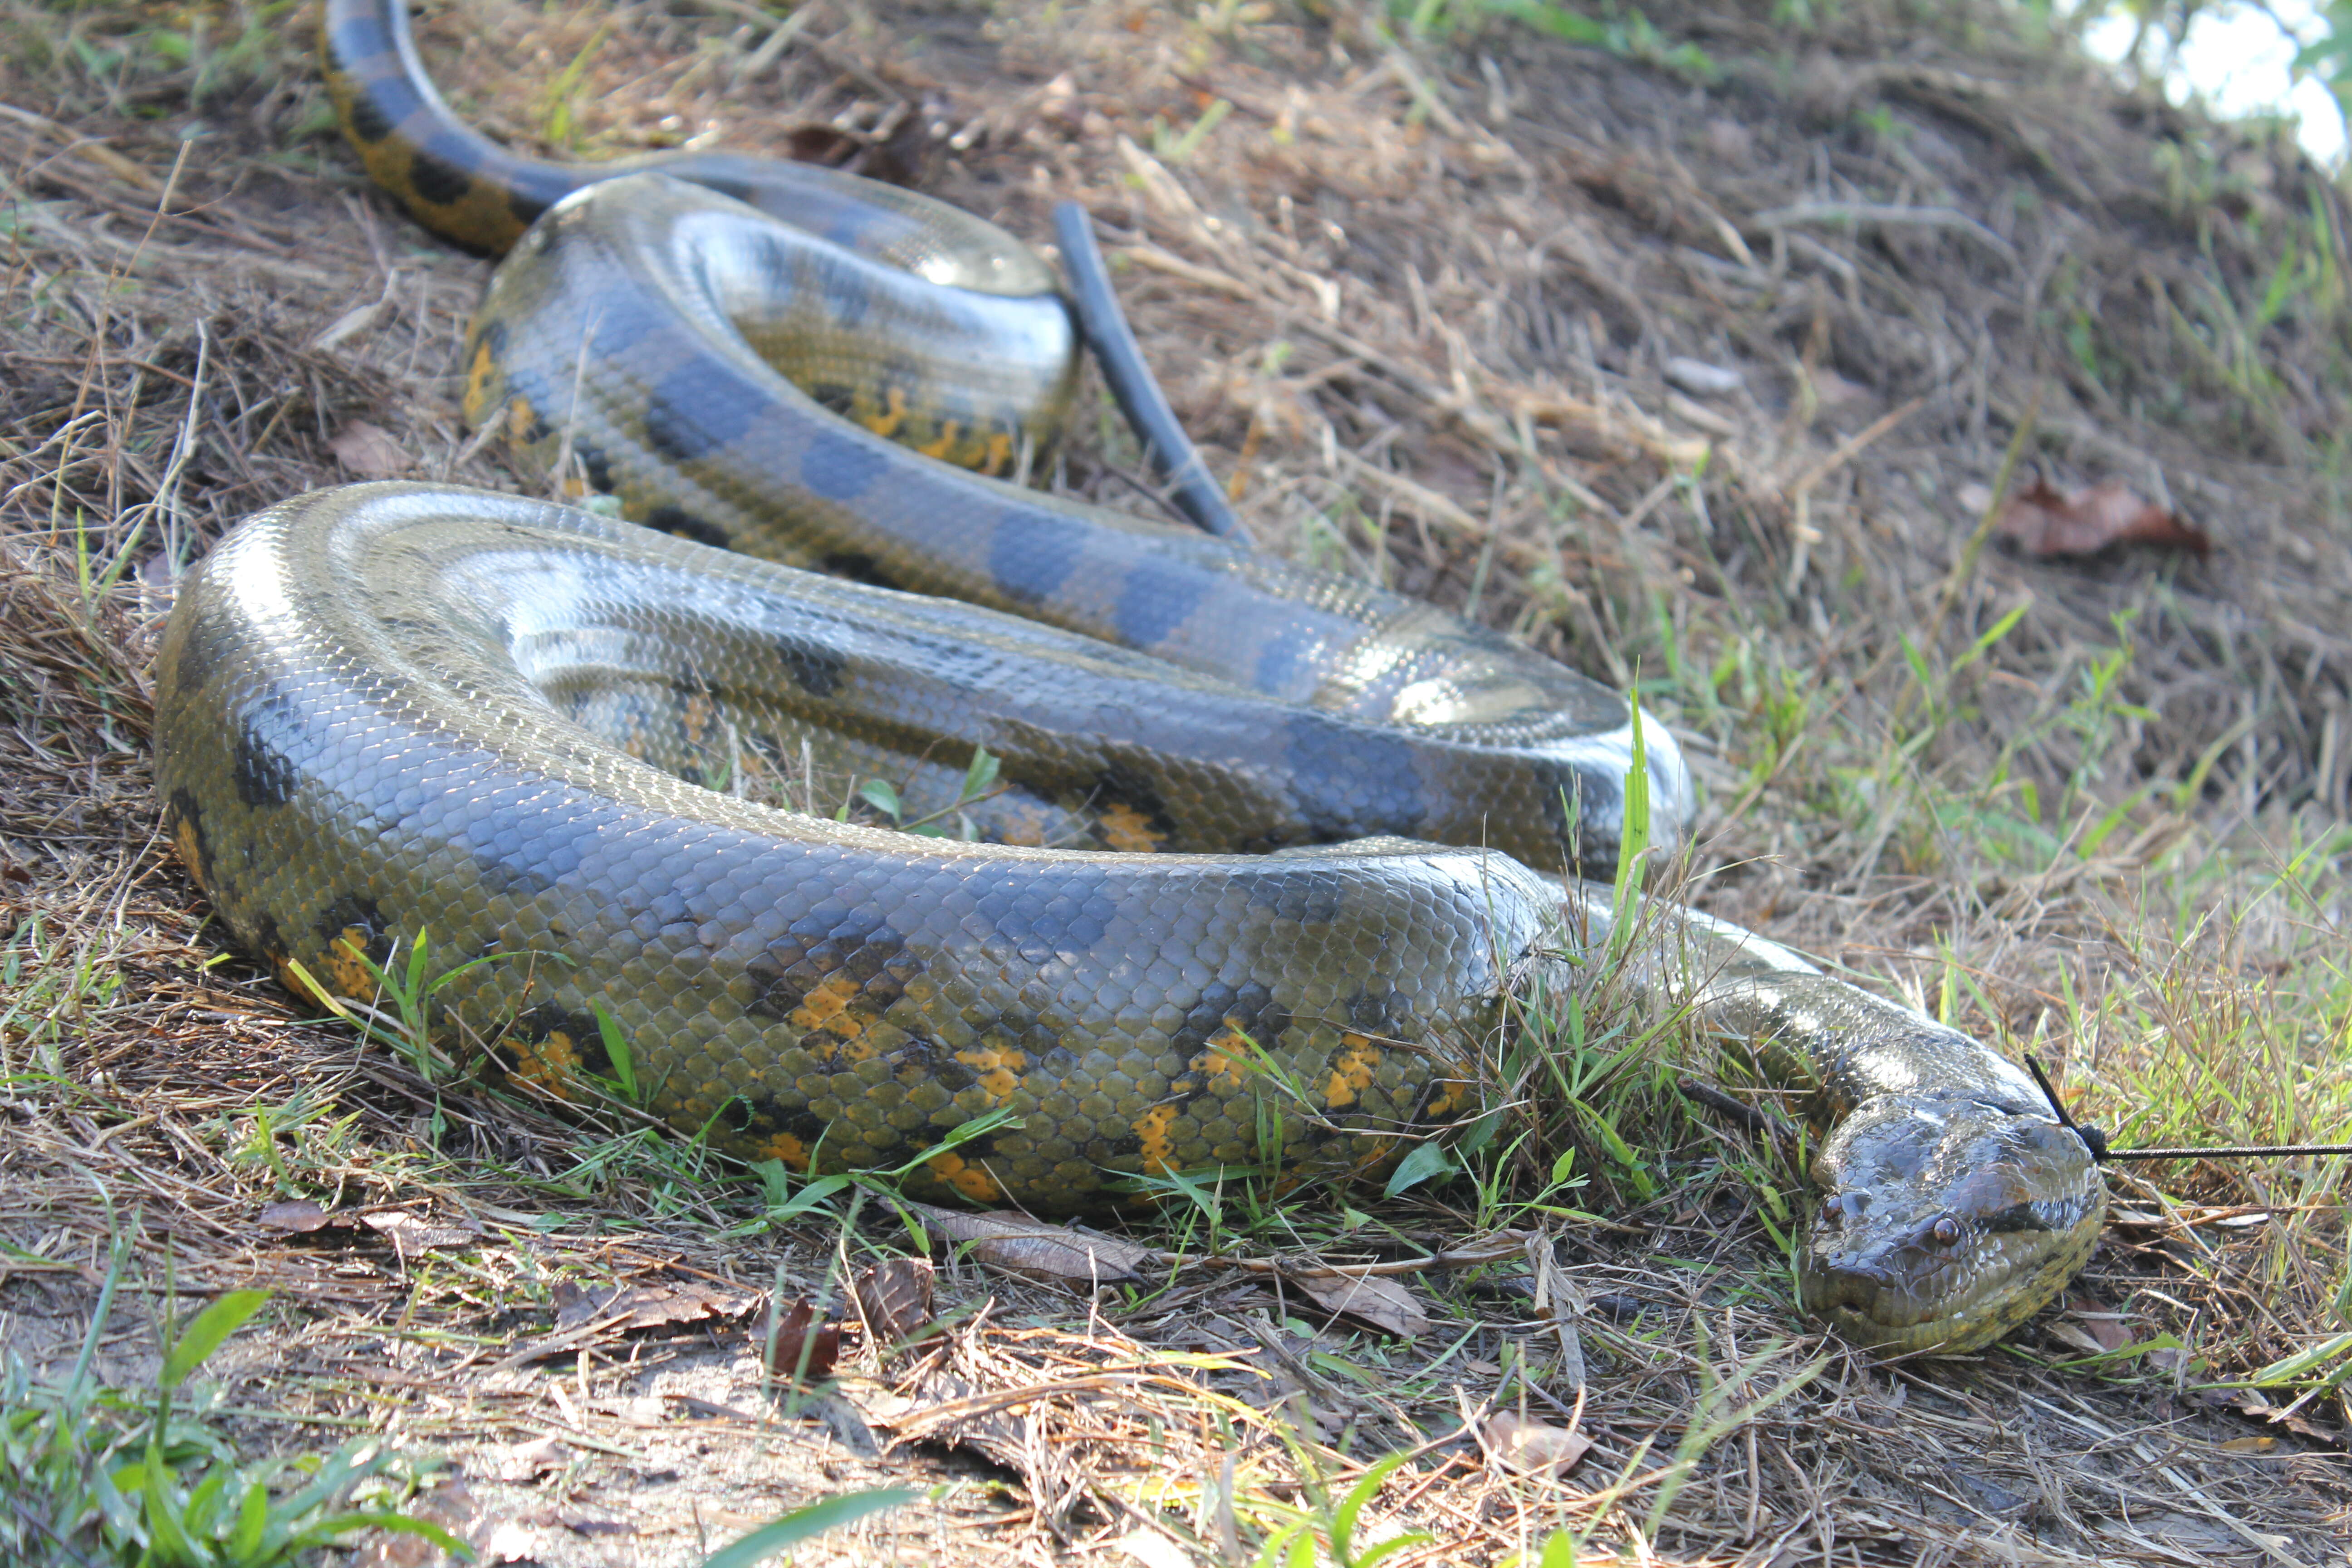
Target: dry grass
column 1418, row 298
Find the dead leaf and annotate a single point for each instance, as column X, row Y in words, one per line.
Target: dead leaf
column 1371, row 1298
column 411, row 1234
column 2103, row 1328
column 1034, row 1250
column 896, row 1297
column 300, row 1217
column 2047, row 523
column 368, row 449
column 1526, row 1446
column 2249, row 1445
column 800, row 1349
column 647, row 1306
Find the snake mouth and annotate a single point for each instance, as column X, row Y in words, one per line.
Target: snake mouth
column 1897, row 1302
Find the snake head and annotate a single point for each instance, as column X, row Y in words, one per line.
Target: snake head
column 1945, row 1221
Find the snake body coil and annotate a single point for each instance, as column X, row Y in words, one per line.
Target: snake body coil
column 396, row 710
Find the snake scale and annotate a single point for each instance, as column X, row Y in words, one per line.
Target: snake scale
column 1269, row 848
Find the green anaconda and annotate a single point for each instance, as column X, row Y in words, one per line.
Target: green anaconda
column 395, row 709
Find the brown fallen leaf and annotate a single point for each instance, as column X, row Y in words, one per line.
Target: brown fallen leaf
column 1383, row 1303
column 2103, row 1324
column 301, row 1215
column 1034, row 1250
column 647, row 1306
column 1527, row 1446
column 896, row 1297
column 2046, row 522
column 368, row 449
column 800, row 1349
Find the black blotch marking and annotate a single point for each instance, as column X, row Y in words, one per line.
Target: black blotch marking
column 525, row 207
column 508, row 852
column 267, row 941
column 847, row 297
column 1301, row 891
column 857, row 566
column 204, row 648
column 366, row 118
column 1109, row 1151
column 435, row 179
column 355, row 912
column 814, row 667
column 525, row 387
column 492, row 335
column 1155, row 601
column 1374, row 1010
column 676, row 520
column 1133, row 790
column 1043, row 915
column 2017, row 1216
column 1351, row 781
column 764, row 1116
column 595, row 467
column 1032, row 556
column 697, row 408
column 832, row 398
column 831, row 939
column 917, row 1061
column 1251, row 1005
column 264, row 775
column 838, row 466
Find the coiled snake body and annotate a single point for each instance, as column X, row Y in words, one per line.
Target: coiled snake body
column 395, row 713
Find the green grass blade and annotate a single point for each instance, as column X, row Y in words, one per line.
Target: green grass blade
column 806, row 1524
column 206, row 1331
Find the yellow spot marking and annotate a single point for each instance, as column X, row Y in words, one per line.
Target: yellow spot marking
column 520, row 417
column 699, row 717
column 295, row 986
column 1155, row 1128
column 887, row 423
column 1352, row 1073
column 1124, row 828
column 965, row 1176
column 477, row 384
column 1450, row 1099
column 829, row 1008
column 1000, row 1068
column 785, row 1147
column 346, row 971
column 999, row 454
column 551, row 1064
column 191, row 847
column 950, row 433
column 1228, row 1058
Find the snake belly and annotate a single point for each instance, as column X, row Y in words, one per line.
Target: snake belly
column 391, row 710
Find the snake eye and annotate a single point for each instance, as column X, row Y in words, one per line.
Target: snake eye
column 1946, row 1230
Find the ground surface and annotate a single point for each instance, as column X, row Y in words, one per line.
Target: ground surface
column 1421, row 286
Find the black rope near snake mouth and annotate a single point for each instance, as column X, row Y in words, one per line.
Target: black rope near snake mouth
column 2096, row 1140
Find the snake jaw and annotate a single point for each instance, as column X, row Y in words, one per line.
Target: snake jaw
column 1947, row 1221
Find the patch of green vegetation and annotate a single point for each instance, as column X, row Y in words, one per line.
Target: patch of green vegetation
column 91, row 1474
column 1622, row 31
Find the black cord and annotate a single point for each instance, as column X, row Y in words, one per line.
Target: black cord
column 1169, row 451
column 2097, row 1141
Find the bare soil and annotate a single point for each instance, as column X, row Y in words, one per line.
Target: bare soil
column 1425, row 301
